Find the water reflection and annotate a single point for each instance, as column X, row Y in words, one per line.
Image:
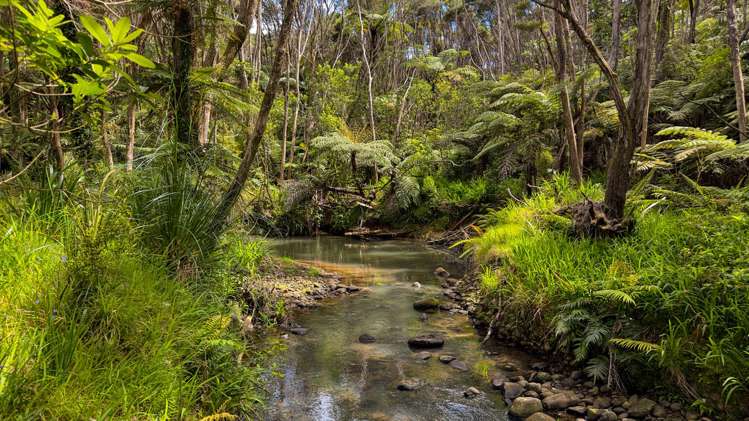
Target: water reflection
column 329, row 375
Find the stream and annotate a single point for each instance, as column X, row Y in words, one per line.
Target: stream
column 328, row 375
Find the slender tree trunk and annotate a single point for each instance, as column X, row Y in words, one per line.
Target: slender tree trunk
column 694, row 11
column 616, row 21
column 105, row 140
column 285, row 120
column 563, row 52
column 182, row 54
column 402, row 109
column 369, row 73
column 665, row 24
column 738, row 76
column 253, row 141
column 130, row 136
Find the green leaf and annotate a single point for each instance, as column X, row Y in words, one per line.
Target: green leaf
column 85, row 87
column 140, row 60
column 96, row 30
column 120, row 30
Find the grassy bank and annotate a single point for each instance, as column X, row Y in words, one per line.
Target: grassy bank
column 97, row 326
column 669, row 301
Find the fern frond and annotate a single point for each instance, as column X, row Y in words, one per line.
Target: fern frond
column 635, row 345
column 615, row 295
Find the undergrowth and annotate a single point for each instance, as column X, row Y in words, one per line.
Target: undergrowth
column 668, row 301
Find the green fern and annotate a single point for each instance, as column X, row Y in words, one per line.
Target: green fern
column 615, row 295
column 635, row 345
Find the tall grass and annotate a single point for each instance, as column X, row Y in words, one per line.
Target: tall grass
column 96, row 326
column 670, row 299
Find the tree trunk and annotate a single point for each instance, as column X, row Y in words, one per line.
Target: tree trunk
column 563, row 52
column 369, row 73
column 282, row 172
column 738, row 76
column 616, row 20
column 130, row 136
column 182, row 53
column 633, row 116
column 694, row 10
column 253, row 142
column 662, row 36
column 618, row 176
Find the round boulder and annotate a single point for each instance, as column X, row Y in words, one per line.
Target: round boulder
column 525, row 407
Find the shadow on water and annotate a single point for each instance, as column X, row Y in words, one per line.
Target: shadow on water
column 329, row 375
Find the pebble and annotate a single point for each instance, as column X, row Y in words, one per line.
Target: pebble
column 445, row 359
column 366, row 338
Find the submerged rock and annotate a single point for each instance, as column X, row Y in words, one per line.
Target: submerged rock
column 427, row 304
column 366, row 338
column 446, row 359
column 423, row 355
column 426, row 341
column 301, row 331
column 423, row 317
column 458, row 365
column 441, row 272
column 525, row 407
column 471, row 392
column 408, row 385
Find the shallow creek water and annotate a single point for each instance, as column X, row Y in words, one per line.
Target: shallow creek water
column 328, row 375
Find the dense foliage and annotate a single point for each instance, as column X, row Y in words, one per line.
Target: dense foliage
column 138, row 138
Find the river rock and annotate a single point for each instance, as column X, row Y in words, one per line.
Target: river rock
column 607, row 415
column 446, row 359
column 366, row 338
column 426, row 341
column 561, row 400
column 497, row 383
column 602, row 402
column 531, row 394
column 640, row 407
column 471, row 392
column 578, row 411
column 512, row 390
column 458, row 365
column 424, row 355
column 416, row 285
column 541, row 376
column 540, row 416
column 659, row 411
column 534, row 387
column 353, row 288
column 427, row 304
column 525, row 407
column 423, row 317
column 441, row 272
column 408, row 385
column 301, row 331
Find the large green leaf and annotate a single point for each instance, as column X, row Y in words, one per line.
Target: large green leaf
column 96, row 30
column 140, row 60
